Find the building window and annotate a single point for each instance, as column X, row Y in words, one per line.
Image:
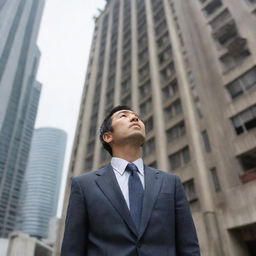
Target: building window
column 156, row 4
column 190, row 191
column 242, row 84
column 142, row 27
column 143, row 56
column 230, row 61
column 126, row 85
column 170, row 90
column 145, row 89
column 110, row 97
column 143, row 41
column 224, row 27
column 143, row 72
column 248, row 163
column 212, row 7
column 207, row 145
column 88, row 163
column 179, row 159
column 126, row 100
column 172, row 110
column 215, row 179
column 127, row 55
column 159, row 15
column 149, row 147
column 165, row 55
column 245, row 120
column 127, row 39
column 90, row 147
column 140, row 10
column 176, row 132
column 126, row 69
column 167, row 73
column 160, row 28
column 149, row 124
column 146, row 107
column 221, row 19
column 111, row 82
column 163, row 40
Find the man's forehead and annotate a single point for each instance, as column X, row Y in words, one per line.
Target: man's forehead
column 124, row 111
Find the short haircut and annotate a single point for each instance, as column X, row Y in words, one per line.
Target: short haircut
column 106, row 126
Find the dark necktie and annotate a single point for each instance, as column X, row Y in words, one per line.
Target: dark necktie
column 136, row 192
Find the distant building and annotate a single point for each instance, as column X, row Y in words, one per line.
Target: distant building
column 21, row 244
column 40, row 193
column 19, row 96
column 189, row 69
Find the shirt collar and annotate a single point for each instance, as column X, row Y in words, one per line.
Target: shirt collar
column 120, row 164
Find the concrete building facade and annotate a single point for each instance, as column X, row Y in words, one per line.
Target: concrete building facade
column 189, row 69
column 42, row 181
column 23, row 245
column 19, row 97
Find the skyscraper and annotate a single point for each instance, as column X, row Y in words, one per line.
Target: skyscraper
column 19, row 96
column 189, row 69
column 40, row 193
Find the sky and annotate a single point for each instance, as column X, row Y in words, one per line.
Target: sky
column 64, row 41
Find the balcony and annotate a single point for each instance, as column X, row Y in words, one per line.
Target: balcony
column 225, row 31
column 223, row 27
column 212, row 6
column 236, row 46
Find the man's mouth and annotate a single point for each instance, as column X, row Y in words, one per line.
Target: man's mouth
column 135, row 125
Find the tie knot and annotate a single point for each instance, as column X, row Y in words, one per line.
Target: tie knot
column 132, row 168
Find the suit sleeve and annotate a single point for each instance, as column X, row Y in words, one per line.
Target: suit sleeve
column 76, row 226
column 186, row 237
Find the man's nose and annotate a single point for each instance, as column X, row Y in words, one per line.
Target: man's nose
column 134, row 118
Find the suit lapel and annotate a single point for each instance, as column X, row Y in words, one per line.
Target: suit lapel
column 153, row 183
column 107, row 182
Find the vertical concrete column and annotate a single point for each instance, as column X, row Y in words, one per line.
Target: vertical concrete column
column 134, row 57
column 162, row 160
column 205, row 196
column 101, row 115
column 119, row 59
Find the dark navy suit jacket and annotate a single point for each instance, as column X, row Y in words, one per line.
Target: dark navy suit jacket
column 99, row 223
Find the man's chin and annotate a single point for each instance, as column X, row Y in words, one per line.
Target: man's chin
column 138, row 138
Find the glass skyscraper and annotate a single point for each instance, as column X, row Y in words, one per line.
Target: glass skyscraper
column 40, row 193
column 19, row 97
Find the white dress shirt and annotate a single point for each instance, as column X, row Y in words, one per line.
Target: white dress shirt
column 122, row 176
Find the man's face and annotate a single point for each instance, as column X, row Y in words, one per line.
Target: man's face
column 127, row 127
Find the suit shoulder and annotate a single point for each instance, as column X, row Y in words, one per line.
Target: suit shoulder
column 164, row 173
column 88, row 175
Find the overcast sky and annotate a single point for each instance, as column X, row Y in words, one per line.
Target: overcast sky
column 64, row 40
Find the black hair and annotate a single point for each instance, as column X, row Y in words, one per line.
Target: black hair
column 106, row 126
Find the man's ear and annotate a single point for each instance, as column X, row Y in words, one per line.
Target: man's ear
column 107, row 137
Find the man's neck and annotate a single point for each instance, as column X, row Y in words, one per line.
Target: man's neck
column 127, row 152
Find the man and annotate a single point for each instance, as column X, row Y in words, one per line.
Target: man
column 127, row 208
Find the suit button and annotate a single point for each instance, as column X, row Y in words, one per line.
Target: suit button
column 138, row 245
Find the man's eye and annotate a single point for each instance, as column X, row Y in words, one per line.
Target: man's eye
column 123, row 115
